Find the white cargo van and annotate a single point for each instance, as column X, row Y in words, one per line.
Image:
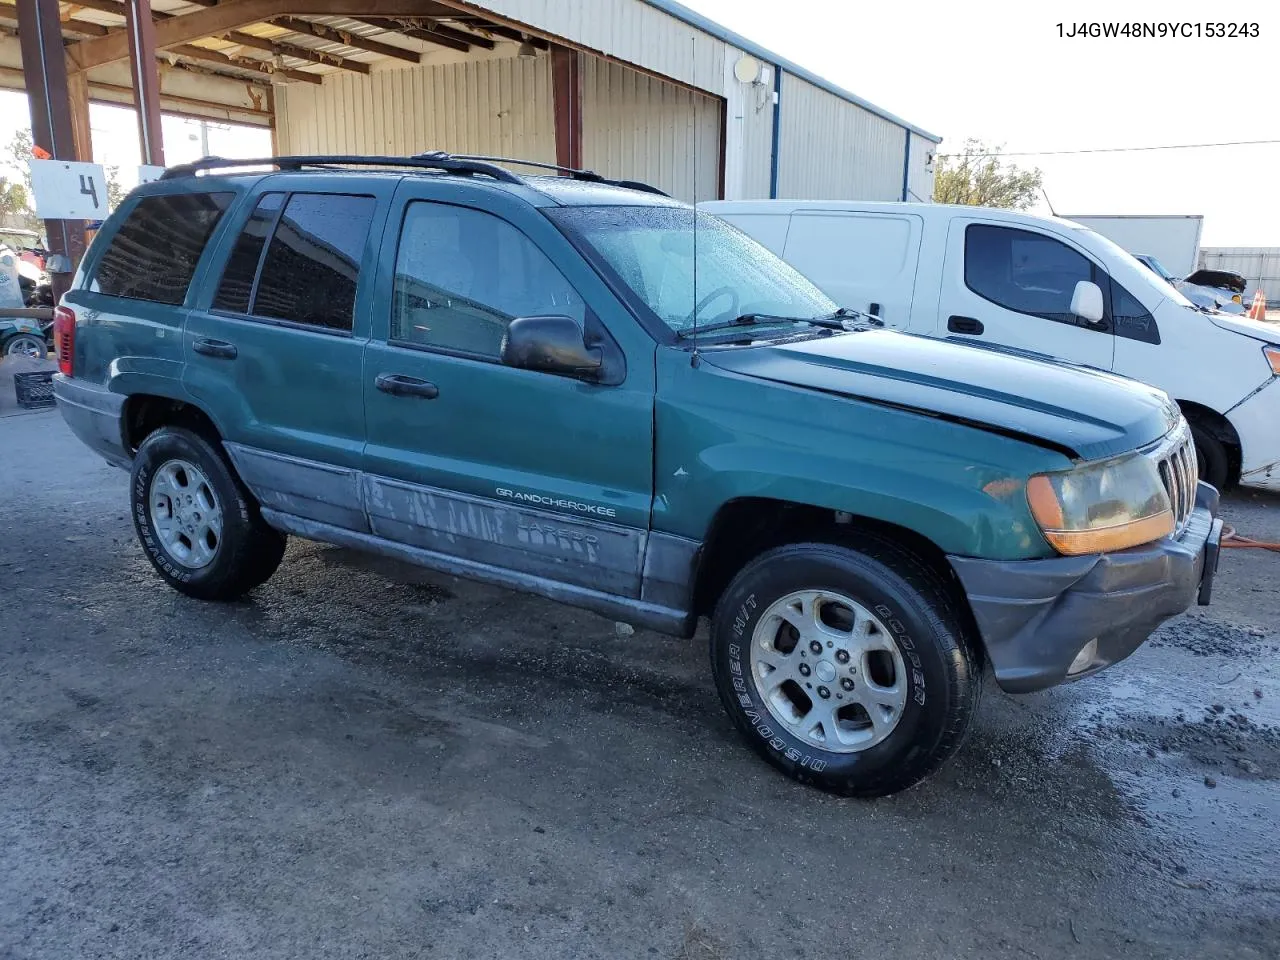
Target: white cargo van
column 1044, row 285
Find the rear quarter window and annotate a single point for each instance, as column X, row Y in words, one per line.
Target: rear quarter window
column 154, row 253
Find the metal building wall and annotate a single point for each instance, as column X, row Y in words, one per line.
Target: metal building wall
column 920, row 170
column 832, row 149
column 489, row 106
column 628, row 30
column 1260, row 266
column 637, row 127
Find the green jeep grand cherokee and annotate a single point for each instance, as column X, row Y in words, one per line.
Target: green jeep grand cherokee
column 524, row 380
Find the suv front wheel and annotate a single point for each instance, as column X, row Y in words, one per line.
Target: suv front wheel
column 846, row 668
column 201, row 529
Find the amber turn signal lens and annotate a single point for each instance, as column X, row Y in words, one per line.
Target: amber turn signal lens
column 1273, row 357
column 1044, row 504
column 1106, row 539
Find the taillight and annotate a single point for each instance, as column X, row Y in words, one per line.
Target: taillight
column 64, row 338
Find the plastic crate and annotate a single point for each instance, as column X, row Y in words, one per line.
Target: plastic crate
column 34, row 390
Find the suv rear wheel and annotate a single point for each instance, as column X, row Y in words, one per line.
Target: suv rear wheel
column 846, row 668
column 201, row 529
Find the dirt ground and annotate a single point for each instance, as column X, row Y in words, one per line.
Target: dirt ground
column 366, row 760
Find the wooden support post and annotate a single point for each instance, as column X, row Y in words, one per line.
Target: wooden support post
column 146, row 79
column 566, row 95
column 44, row 69
column 78, row 101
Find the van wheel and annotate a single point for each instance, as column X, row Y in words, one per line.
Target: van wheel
column 849, row 669
column 1211, row 457
column 199, row 526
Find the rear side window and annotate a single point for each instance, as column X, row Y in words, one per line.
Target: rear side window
column 1023, row 271
column 312, row 265
column 310, row 269
column 236, row 289
column 154, row 253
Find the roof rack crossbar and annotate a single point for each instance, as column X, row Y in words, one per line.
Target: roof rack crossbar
column 589, row 176
column 425, row 161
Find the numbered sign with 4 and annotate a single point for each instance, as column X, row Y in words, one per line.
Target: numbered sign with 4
column 64, row 190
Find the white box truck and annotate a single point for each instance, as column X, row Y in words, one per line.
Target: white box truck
column 1173, row 240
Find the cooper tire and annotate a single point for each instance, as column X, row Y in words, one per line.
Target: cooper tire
column 245, row 552
column 1212, row 457
column 943, row 668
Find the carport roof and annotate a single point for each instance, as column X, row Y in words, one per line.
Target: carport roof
column 261, row 38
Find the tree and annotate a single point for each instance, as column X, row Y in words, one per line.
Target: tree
column 978, row 177
column 15, row 183
column 115, row 192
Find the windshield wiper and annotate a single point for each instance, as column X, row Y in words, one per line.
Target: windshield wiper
column 843, row 319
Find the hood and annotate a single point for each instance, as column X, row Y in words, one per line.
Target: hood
column 1240, row 323
column 1084, row 412
column 1223, row 279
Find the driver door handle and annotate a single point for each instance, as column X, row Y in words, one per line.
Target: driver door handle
column 215, row 348
column 399, row 385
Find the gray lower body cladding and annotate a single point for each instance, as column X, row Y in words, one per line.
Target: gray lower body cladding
column 640, row 576
column 1035, row 616
column 93, row 414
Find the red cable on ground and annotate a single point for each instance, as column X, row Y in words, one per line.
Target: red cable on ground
column 1233, row 540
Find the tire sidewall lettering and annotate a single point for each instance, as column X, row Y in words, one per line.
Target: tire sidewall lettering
column 760, row 720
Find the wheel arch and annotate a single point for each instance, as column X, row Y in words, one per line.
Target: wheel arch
column 745, row 527
column 1222, row 430
column 145, row 413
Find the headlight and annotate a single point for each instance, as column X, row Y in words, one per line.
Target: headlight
column 1273, row 357
column 1101, row 507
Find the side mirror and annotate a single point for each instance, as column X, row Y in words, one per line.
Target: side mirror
column 552, row 344
column 1086, row 301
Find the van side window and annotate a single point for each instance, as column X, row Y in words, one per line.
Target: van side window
column 1130, row 318
column 1023, row 271
column 154, row 253
column 236, row 288
column 463, row 275
column 312, row 266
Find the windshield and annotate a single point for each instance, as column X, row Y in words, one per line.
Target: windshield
column 1158, row 267
column 651, row 250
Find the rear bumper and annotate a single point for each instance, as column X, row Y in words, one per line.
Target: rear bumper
column 1036, row 616
column 93, row 414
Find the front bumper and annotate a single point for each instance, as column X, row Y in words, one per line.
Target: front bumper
column 1035, row 616
column 1255, row 422
column 93, row 414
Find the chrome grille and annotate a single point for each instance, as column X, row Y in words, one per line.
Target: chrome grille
column 1176, row 460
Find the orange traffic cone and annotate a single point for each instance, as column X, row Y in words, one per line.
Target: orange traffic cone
column 1259, row 309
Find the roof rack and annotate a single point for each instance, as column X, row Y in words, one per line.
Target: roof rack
column 425, row 161
column 588, row 176
column 435, row 160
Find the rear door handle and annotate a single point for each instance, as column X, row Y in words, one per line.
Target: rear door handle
column 215, row 348
column 964, row 325
column 398, row 385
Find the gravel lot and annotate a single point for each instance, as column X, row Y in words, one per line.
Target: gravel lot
column 366, row 760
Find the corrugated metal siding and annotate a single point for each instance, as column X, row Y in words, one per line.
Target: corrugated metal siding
column 835, row 150
column 920, row 175
column 631, row 31
column 1260, row 266
column 500, row 107
column 639, row 128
